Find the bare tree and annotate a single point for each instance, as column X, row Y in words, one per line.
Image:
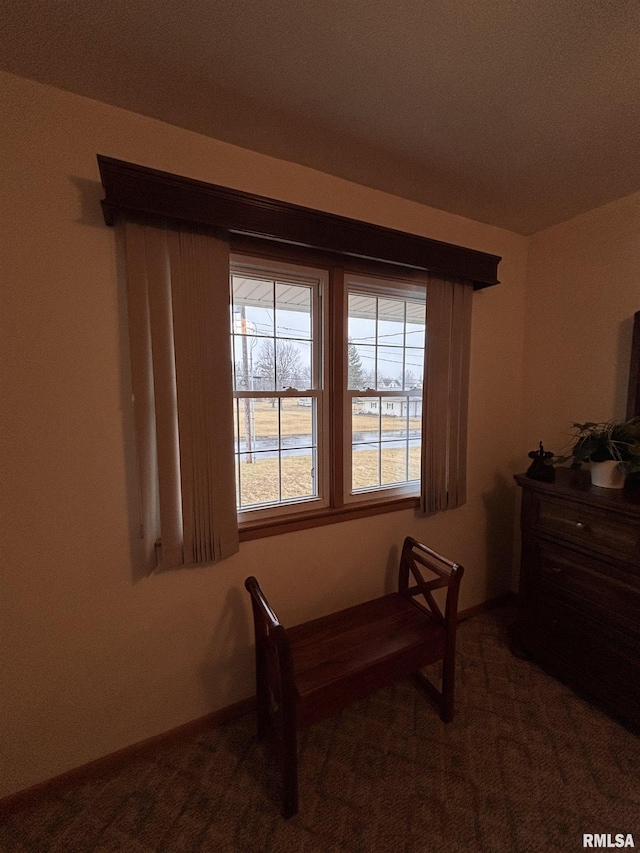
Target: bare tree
column 282, row 361
column 410, row 379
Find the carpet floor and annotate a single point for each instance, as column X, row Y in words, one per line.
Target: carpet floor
column 526, row 766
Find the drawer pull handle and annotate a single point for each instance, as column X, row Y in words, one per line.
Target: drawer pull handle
column 552, row 570
column 581, row 526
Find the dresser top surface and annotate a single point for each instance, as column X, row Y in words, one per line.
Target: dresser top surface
column 576, row 485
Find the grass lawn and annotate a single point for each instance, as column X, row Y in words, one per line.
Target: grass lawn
column 296, row 420
column 259, row 479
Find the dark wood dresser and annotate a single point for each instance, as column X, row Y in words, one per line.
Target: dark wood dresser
column 579, row 602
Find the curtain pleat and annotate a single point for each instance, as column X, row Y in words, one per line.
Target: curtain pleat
column 187, row 280
column 205, row 405
column 164, row 387
column 142, row 388
column 445, row 394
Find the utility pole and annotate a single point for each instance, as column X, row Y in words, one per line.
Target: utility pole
column 245, row 376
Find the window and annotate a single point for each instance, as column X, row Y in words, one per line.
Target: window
column 287, row 444
column 177, row 236
column 279, row 370
column 386, row 338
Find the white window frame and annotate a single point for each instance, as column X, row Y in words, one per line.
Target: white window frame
column 378, row 287
column 317, row 279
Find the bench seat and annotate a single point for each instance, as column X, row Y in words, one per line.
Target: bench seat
column 343, row 657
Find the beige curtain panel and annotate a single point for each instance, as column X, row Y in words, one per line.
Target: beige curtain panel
column 446, row 393
column 178, row 297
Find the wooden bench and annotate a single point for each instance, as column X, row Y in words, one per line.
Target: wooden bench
column 314, row 669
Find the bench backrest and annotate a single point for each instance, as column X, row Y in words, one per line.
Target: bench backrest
column 414, row 559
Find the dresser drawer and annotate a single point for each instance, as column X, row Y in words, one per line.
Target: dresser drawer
column 610, row 594
column 587, row 526
column 597, row 659
column 577, row 635
column 579, row 604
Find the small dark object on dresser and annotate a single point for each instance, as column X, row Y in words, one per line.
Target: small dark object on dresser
column 539, row 470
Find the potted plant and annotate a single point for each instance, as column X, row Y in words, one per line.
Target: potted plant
column 612, row 448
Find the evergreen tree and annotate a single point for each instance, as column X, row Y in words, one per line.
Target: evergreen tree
column 357, row 378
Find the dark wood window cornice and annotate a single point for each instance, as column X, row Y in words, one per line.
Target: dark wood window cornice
column 137, row 190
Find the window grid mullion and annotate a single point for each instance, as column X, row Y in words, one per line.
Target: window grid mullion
column 281, row 395
column 406, row 472
column 380, row 441
column 404, row 348
column 404, row 384
column 316, row 375
column 314, row 448
column 394, row 392
column 237, row 415
column 375, row 352
column 279, row 450
column 275, row 335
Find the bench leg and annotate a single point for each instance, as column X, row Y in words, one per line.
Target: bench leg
column 442, row 700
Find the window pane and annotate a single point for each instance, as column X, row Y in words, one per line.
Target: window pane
column 386, row 431
column 394, row 418
column 258, row 420
column 264, row 366
column 393, row 462
column 259, row 478
column 298, row 474
column 365, row 461
column 414, row 368
column 414, row 460
column 362, row 319
column 235, row 426
column 390, row 367
column 293, row 311
column 292, row 363
column 414, row 405
column 297, row 421
column 391, row 322
column 365, row 420
column 361, row 361
column 245, row 372
column 416, row 318
column 253, row 306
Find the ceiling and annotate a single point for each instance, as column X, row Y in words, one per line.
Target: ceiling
column 518, row 114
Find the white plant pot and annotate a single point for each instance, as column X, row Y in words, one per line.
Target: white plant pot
column 607, row 474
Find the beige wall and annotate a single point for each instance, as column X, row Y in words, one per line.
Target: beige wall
column 95, row 657
column 583, row 288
